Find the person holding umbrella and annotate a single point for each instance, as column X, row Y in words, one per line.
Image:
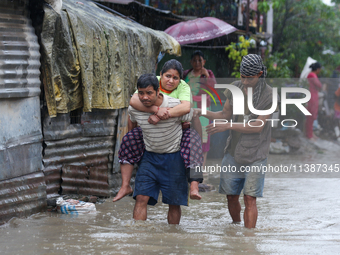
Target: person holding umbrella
column 198, row 78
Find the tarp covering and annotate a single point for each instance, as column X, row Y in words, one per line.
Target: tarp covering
column 92, row 59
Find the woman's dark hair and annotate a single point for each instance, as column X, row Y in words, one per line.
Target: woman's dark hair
column 173, row 64
column 146, row 80
column 315, row 66
column 197, row 53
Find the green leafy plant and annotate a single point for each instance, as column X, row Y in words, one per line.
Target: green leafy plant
column 306, row 28
column 277, row 65
column 264, row 5
column 236, row 53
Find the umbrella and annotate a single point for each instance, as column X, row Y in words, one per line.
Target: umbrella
column 199, row 30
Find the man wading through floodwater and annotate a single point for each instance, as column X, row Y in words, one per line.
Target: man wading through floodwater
column 247, row 146
column 161, row 167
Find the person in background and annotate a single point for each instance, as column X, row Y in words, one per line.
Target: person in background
column 337, row 113
column 313, row 105
column 198, row 78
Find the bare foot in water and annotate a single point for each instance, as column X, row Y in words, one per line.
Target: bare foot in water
column 194, row 194
column 313, row 139
column 123, row 191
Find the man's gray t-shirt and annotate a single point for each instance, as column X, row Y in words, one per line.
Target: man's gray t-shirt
column 166, row 135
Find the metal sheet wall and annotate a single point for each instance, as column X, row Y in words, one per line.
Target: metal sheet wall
column 20, row 137
column 78, row 157
column 22, row 184
column 19, row 52
column 20, row 122
column 22, row 196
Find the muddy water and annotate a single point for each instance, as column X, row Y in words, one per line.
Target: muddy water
column 296, row 216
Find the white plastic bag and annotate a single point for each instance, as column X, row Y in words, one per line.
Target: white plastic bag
column 278, row 148
column 306, row 69
column 71, row 206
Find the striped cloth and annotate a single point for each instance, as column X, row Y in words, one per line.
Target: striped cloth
column 165, row 137
column 132, row 148
column 251, row 65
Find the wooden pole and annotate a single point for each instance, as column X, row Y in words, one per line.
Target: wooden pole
column 247, row 21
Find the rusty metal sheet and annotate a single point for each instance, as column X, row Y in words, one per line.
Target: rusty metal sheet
column 95, row 123
column 22, row 196
column 53, row 178
column 87, row 144
column 94, row 154
column 85, row 180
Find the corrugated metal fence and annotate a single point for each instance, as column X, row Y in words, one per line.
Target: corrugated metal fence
column 78, row 152
column 22, row 186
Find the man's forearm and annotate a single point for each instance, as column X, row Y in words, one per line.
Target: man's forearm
column 225, row 114
column 246, row 128
column 254, row 126
column 180, row 110
column 216, row 115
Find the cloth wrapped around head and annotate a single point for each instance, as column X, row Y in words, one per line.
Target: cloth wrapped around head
column 251, row 65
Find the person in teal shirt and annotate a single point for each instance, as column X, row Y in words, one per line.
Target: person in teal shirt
column 198, row 78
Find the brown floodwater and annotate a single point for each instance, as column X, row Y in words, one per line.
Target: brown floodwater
column 298, row 215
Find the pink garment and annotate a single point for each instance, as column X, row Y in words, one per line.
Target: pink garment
column 337, row 114
column 309, row 126
column 206, row 146
column 313, row 104
column 337, row 104
column 211, row 81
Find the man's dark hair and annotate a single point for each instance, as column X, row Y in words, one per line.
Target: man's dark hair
column 173, row 64
column 197, row 53
column 146, row 80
